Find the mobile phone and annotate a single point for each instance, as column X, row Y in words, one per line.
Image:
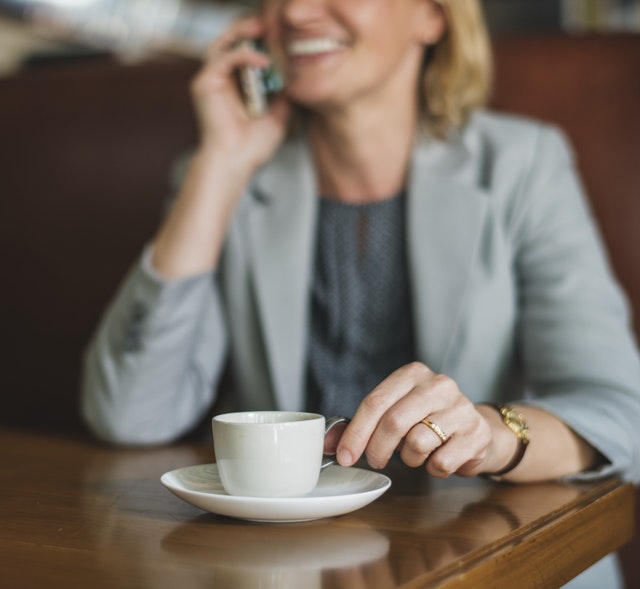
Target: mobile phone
column 256, row 84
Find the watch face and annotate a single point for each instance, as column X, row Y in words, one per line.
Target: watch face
column 515, row 422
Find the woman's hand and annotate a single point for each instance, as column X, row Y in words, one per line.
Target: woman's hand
column 226, row 128
column 476, row 439
column 390, row 418
column 232, row 146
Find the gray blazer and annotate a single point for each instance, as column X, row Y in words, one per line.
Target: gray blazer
column 513, row 298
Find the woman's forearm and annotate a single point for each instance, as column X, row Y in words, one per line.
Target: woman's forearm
column 554, row 450
column 190, row 240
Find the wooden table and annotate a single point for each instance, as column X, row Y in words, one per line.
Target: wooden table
column 77, row 514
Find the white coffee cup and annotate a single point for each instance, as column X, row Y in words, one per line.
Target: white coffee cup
column 270, row 453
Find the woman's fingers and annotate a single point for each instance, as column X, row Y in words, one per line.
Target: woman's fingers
column 248, row 28
column 459, row 458
column 219, row 71
column 431, row 394
column 225, row 124
column 217, row 77
column 385, row 416
column 424, row 415
column 420, row 442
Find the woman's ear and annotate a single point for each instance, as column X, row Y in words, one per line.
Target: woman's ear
column 431, row 21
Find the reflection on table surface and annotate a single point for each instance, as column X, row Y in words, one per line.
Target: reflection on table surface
column 90, row 515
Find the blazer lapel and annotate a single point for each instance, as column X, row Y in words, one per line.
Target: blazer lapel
column 446, row 214
column 282, row 237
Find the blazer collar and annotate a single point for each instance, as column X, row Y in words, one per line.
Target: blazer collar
column 446, row 212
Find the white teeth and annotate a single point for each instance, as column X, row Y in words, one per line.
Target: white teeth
column 312, row 46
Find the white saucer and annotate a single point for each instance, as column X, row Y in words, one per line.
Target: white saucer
column 339, row 490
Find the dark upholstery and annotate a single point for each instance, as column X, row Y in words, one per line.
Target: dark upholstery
column 84, row 157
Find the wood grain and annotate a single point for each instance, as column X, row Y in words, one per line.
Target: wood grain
column 77, row 514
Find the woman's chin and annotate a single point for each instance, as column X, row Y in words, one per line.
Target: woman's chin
column 312, row 98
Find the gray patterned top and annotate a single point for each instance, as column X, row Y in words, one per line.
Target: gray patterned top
column 361, row 320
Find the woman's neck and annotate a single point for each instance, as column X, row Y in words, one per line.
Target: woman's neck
column 362, row 156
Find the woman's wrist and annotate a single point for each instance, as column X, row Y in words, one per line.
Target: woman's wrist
column 504, row 444
column 212, row 159
column 516, row 423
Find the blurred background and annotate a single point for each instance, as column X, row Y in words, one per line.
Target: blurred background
column 32, row 30
column 95, row 110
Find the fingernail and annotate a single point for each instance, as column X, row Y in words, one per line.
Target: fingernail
column 344, row 457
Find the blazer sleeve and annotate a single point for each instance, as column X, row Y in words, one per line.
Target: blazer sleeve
column 151, row 369
column 576, row 339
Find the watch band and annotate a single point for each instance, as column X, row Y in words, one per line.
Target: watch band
column 516, row 423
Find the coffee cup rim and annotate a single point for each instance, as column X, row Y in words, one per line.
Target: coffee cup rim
column 266, row 418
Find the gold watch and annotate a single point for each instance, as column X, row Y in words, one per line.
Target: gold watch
column 517, row 424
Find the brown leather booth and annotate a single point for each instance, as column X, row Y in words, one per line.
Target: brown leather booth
column 85, row 150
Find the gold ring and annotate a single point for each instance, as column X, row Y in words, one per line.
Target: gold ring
column 436, row 429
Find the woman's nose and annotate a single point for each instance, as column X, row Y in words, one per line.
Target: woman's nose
column 302, row 11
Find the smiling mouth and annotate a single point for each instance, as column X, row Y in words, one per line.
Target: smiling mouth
column 317, row 46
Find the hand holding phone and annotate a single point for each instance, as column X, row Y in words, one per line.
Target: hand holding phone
column 257, row 83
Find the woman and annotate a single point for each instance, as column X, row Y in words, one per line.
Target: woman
column 405, row 257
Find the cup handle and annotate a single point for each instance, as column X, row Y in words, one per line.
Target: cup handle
column 329, row 459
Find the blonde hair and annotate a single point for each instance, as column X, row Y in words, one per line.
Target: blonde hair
column 458, row 70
